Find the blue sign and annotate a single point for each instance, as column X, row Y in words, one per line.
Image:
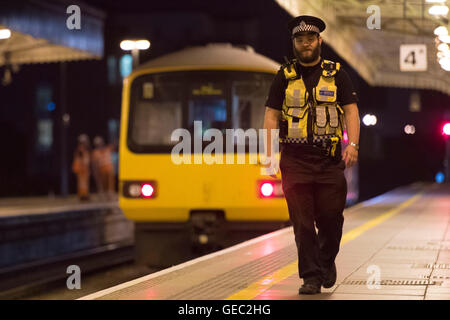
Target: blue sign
column 126, row 65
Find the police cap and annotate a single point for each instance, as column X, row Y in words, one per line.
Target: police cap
column 305, row 24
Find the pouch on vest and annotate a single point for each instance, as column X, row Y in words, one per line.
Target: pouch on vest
column 327, row 120
column 295, row 97
column 297, row 121
column 283, row 125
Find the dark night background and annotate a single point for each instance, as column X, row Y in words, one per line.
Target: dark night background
column 388, row 157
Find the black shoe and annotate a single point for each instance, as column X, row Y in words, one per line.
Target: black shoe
column 309, row 288
column 330, row 277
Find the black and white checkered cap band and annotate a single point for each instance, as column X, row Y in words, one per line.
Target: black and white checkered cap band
column 305, row 27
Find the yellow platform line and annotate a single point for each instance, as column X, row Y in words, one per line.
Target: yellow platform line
column 258, row 287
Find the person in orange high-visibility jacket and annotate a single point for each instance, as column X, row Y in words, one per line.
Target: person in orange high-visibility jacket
column 81, row 165
column 103, row 166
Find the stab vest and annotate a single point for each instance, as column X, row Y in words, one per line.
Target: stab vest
column 315, row 117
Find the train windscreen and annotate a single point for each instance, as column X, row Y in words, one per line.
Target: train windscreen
column 162, row 103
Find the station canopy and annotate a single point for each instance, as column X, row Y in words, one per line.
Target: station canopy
column 39, row 32
column 375, row 54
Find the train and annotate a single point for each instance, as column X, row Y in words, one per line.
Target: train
column 187, row 202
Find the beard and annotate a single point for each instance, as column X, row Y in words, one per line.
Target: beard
column 307, row 56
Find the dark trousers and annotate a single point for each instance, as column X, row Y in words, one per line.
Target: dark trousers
column 315, row 196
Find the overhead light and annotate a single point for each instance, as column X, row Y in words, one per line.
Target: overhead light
column 127, row 45
column 436, row 1
column 445, row 63
column 409, row 129
column 142, row 44
column 443, row 54
column 445, row 38
column 439, row 31
column 438, row 10
column 443, row 47
column 444, row 60
column 369, row 120
column 5, row 33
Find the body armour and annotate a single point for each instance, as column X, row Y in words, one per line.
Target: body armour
column 312, row 118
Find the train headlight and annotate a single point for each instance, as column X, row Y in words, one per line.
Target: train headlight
column 139, row 189
column 134, row 190
column 270, row 189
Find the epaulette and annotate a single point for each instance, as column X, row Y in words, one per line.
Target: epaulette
column 330, row 68
column 289, row 69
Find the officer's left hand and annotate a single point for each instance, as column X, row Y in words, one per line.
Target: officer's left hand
column 350, row 156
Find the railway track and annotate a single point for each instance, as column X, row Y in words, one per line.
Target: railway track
column 28, row 278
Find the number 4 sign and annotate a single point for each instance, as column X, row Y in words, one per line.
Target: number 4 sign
column 413, row 57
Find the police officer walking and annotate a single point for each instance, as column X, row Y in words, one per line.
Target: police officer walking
column 311, row 101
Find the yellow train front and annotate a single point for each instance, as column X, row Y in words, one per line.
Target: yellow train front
column 179, row 207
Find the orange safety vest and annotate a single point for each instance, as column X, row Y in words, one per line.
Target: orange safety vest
column 81, row 162
column 103, row 158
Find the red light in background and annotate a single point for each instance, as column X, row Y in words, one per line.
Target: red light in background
column 147, row 190
column 446, row 129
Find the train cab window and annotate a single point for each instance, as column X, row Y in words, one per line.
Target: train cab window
column 156, row 111
column 207, row 103
column 155, row 121
column 163, row 102
column 211, row 111
column 248, row 98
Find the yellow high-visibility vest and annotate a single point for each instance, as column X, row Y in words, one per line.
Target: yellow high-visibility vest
column 311, row 119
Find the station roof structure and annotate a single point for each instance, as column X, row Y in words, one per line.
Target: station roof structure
column 39, row 32
column 375, row 54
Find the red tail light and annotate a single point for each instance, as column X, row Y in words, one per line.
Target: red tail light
column 140, row 189
column 147, row 190
column 266, row 189
column 270, row 189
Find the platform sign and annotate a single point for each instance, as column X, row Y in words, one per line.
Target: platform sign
column 413, row 57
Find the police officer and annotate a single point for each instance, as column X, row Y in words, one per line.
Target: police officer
column 311, row 101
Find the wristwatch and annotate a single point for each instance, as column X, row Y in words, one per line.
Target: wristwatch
column 354, row 145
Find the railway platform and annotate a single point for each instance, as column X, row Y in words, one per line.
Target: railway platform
column 394, row 247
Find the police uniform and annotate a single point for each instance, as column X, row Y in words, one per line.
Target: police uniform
column 312, row 169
